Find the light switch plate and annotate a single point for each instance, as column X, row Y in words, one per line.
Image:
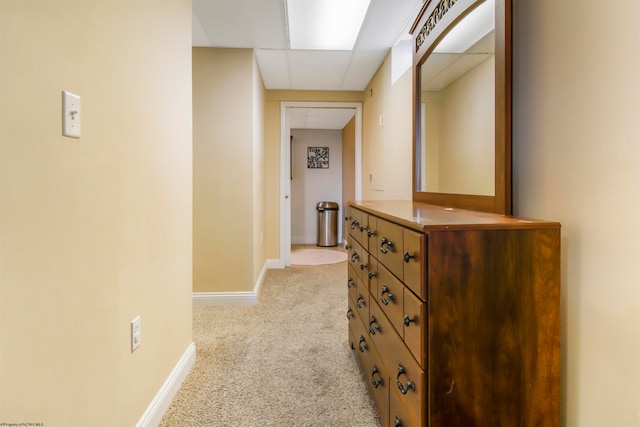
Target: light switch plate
column 71, row 114
column 136, row 334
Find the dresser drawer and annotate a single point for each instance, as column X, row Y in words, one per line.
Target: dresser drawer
column 403, row 252
column 358, row 336
column 371, row 273
column 352, row 278
column 414, row 257
column 358, row 258
column 415, row 327
column 405, row 373
column 353, row 221
column 409, row 381
column 362, row 300
column 389, row 246
column 390, row 297
column 399, row 415
column 378, row 381
column 369, row 233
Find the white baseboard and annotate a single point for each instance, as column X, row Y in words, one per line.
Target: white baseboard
column 161, row 402
column 235, row 298
column 275, row 264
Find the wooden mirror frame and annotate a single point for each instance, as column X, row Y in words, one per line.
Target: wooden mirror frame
column 427, row 33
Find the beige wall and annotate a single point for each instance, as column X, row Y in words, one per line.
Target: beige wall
column 274, row 98
column 577, row 160
column 96, row 230
column 348, row 167
column 259, row 175
column 228, row 163
column 386, row 148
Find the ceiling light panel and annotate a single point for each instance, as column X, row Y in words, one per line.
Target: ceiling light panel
column 325, row 24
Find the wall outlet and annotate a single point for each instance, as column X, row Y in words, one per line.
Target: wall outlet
column 135, row 333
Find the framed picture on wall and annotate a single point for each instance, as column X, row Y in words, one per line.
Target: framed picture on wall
column 318, row 157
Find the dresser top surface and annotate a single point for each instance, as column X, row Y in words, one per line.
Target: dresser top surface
column 424, row 217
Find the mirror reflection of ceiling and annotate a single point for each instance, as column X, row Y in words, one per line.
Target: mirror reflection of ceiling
column 440, row 69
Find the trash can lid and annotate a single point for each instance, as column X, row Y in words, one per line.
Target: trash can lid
column 327, row 205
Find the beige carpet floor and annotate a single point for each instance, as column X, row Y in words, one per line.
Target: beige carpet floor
column 311, row 256
column 284, row 362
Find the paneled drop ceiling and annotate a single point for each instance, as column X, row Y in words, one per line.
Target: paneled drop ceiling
column 262, row 25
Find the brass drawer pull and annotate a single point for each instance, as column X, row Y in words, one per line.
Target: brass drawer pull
column 360, row 302
column 385, row 245
column 362, row 344
column 404, row 389
column 373, row 329
column 408, row 257
column 376, row 381
column 408, row 320
column 389, row 298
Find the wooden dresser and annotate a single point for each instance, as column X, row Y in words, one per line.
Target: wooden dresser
column 454, row 314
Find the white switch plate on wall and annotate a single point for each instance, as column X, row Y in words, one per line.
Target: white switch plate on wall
column 71, row 114
column 135, row 333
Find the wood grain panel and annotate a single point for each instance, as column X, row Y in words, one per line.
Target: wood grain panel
column 494, row 327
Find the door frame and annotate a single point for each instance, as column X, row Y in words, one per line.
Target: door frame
column 285, row 160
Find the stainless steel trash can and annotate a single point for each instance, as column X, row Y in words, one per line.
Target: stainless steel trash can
column 327, row 223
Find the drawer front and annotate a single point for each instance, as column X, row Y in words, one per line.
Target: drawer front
column 410, row 381
column 390, row 297
column 358, row 257
column 389, row 246
column 414, row 256
column 359, row 337
column 353, row 222
column 415, row 327
column 369, row 235
column 383, row 335
column 399, row 415
column 379, row 383
column 372, row 275
column 362, row 300
column 351, row 284
column 405, row 373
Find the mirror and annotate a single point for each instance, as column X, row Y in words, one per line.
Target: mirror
column 462, row 155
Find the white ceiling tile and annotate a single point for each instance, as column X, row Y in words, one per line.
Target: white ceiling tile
column 261, row 24
column 273, row 68
column 320, row 118
column 312, row 69
column 199, row 35
column 362, row 68
column 243, row 23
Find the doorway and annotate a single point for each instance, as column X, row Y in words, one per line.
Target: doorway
column 285, row 162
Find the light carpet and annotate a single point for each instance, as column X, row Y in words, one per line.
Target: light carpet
column 283, row 362
column 317, row 256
